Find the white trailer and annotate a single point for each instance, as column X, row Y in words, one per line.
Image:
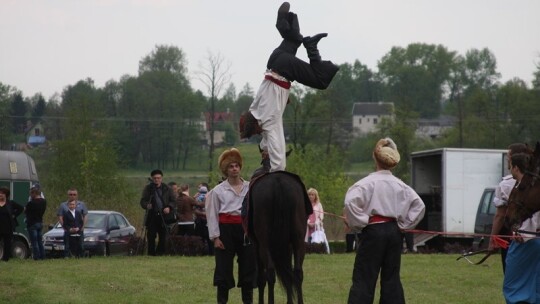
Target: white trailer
column 450, row 181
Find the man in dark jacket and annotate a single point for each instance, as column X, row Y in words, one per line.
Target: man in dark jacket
column 159, row 201
column 9, row 210
column 73, row 230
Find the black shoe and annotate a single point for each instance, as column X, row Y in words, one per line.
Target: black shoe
column 283, row 10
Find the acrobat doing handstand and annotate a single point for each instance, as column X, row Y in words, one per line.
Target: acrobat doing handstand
column 265, row 114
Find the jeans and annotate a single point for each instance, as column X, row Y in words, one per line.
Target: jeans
column 34, row 231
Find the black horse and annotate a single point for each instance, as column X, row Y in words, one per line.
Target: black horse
column 524, row 199
column 278, row 212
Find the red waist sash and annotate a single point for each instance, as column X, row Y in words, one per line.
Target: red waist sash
column 225, row 218
column 374, row 219
column 281, row 83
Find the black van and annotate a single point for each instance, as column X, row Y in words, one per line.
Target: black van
column 18, row 173
column 484, row 218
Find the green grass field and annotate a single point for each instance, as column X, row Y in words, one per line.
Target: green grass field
column 435, row 278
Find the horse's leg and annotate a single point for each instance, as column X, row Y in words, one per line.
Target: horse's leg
column 271, row 279
column 299, row 254
column 262, row 257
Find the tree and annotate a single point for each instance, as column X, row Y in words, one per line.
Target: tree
column 165, row 58
column 38, row 108
column 18, row 113
column 214, row 75
column 415, row 77
column 85, row 158
column 6, row 95
column 472, row 86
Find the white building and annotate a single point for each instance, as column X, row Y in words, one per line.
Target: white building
column 366, row 115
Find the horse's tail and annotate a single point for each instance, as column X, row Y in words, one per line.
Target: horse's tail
column 283, row 234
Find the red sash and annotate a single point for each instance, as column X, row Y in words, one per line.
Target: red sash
column 380, row 219
column 225, row 218
column 281, row 83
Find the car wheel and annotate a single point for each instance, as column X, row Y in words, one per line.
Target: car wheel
column 19, row 250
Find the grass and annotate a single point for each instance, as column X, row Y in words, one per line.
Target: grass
column 436, row 278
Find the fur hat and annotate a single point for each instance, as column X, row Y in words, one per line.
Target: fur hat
column 227, row 157
column 386, row 153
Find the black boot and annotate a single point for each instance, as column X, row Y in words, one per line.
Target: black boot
column 265, row 167
column 222, row 295
column 287, row 24
column 310, row 43
column 247, row 295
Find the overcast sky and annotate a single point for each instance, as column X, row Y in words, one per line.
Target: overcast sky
column 46, row 45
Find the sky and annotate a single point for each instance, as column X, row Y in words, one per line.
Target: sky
column 48, row 45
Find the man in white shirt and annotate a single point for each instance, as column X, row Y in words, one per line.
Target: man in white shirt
column 502, row 193
column 223, row 208
column 381, row 205
column 522, row 274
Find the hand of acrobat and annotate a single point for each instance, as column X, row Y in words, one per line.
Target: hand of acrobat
column 218, row 244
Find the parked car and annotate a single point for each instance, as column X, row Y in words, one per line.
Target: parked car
column 105, row 233
column 484, row 218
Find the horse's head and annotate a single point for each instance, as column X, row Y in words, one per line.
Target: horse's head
column 524, row 199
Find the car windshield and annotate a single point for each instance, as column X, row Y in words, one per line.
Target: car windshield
column 95, row 221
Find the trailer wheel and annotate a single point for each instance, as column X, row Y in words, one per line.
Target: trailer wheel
column 19, row 249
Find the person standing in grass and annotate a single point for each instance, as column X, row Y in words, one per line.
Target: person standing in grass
column 223, row 208
column 34, row 211
column 381, row 206
column 522, row 274
column 9, row 210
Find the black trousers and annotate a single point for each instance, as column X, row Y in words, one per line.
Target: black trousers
column 379, row 252
column 350, row 239
column 155, row 228
column 7, row 238
column 232, row 237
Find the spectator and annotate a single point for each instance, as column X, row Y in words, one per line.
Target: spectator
column 34, row 211
column 223, row 207
column 73, row 196
column 315, row 220
column 522, row 274
column 201, row 227
column 159, row 202
column 73, row 227
column 500, row 200
column 381, row 205
column 185, row 205
column 9, row 210
column 174, row 188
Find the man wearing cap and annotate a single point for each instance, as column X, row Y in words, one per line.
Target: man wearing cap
column 223, row 206
column 159, row 201
column 283, row 67
column 380, row 205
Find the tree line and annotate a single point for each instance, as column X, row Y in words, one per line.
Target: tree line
column 155, row 118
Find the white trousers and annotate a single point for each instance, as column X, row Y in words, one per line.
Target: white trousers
column 268, row 108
